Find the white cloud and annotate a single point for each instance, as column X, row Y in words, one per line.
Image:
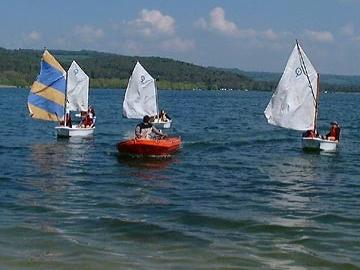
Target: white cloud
column 33, row 38
column 88, row 33
column 153, row 31
column 34, row 35
column 217, row 22
column 320, row 36
column 347, row 30
column 270, row 34
column 153, row 22
column 178, row 44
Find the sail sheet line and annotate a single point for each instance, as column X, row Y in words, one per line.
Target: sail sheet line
column 303, row 67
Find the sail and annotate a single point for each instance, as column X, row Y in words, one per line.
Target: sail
column 140, row 96
column 47, row 95
column 293, row 104
column 77, row 90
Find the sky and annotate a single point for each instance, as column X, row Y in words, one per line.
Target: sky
column 252, row 35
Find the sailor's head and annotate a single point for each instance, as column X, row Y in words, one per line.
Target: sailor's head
column 146, row 119
column 334, row 124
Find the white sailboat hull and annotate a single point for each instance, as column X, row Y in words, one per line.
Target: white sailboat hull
column 62, row 131
column 319, row 144
column 159, row 122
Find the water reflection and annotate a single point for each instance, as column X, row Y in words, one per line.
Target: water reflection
column 146, row 162
column 55, row 164
column 49, row 158
column 63, row 154
column 148, row 168
column 293, row 185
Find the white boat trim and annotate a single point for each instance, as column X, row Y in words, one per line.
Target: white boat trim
column 164, row 124
column 62, row 131
column 319, row 144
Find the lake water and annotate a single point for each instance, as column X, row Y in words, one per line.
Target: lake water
column 240, row 194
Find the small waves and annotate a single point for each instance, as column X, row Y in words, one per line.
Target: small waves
column 239, row 194
column 328, row 218
column 146, row 232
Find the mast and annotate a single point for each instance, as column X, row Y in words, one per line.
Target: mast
column 317, row 101
column 157, row 101
column 66, row 80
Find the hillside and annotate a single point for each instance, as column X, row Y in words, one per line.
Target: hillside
column 106, row 70
column 328, row 82
column 20, row 68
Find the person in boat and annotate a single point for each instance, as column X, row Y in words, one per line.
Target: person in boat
column 146, row 130
column 163, row 116
column 87, row 121
column 334, row 133
column 92, row 115
column 67, row 120
column 152, row 118
column 311, row 133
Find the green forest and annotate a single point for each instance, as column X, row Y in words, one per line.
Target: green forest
column 20, row 67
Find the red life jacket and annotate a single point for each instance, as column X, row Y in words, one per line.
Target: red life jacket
column 88, row 120
column 334, row 132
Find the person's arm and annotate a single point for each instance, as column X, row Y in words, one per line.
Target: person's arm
column 137, row 132
column 157, row 132
column 167, row 116
column 93, row 121
column 337, row 134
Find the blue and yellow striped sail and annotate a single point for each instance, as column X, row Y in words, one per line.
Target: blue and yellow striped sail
column 47, row 96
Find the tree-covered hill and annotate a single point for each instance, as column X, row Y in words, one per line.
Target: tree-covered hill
column 106, row 70
column 20, row 68
column 328, row 82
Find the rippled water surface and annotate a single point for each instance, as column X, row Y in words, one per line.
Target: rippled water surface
column 240, row 194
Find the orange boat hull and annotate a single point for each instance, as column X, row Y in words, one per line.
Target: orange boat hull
column 144, row 147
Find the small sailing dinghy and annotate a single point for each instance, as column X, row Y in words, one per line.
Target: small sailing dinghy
column 150, row 148
column 48, row 93
column 77, row 97
column 294, row 104
column 141, row 97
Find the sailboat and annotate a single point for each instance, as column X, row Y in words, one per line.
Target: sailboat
column 77, row 96
column 295, row 102
column 141, row 96
column 46, row 100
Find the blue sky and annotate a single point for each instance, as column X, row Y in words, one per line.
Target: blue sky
column 253, row 35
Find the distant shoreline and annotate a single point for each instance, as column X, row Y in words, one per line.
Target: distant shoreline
column 8, row 86
column 3, row 87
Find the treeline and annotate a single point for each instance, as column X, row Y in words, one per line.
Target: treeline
column 20, row 68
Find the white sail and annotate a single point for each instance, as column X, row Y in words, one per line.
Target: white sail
column 140, row 96
column 77, row 89
column 293, row 104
